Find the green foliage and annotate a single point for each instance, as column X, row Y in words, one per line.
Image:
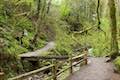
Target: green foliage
column 64, row 41
column 65, row 10
column 16, row 32
column 19, row 16
column 40, row 43
column 23, row 23
column 15, row 49
column 97, row 39
column 14, row 26
column 117, row 64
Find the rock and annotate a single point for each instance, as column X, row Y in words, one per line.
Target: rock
column 36, row 77
column 30, row 78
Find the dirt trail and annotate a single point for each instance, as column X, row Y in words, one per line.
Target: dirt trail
column 97, row 69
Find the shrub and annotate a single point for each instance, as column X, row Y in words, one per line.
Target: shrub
column 117, row 64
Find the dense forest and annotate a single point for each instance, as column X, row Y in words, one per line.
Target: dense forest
column 72, row 25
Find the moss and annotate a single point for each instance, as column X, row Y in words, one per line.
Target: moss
column 117, row 64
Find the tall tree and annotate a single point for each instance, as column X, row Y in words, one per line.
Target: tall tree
column 114, row 42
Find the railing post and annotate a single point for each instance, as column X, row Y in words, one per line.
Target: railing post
column 85, row 56
column 71, row 68
column 54, row 69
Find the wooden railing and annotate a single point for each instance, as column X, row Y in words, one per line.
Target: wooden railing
column 54, row 67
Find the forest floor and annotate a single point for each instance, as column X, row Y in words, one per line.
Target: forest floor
column 97, row 69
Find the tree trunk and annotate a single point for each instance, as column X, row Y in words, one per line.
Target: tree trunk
column 114, row 42
column 38, row 7
column 98, row 15
column 48, row 7
column 99, row 21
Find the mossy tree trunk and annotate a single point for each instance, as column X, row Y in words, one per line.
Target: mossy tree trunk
column 114, row 42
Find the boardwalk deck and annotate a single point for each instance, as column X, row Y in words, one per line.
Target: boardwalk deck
column 98, row 69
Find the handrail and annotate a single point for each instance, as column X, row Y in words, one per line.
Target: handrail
column 78, row 56
column 69, row 67
column 31, row 73
column 82, row 57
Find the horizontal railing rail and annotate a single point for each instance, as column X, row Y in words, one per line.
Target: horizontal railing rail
column 31, row 73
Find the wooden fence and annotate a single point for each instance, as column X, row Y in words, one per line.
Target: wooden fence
column 54, row 67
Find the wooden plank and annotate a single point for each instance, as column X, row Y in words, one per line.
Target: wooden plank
column 30, row 73
column 78, row 62
column 78, row 56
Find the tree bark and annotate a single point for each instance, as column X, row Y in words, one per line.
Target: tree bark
column 48, row 7
column 114, row 42
column 98, row 14
column 38, row 7
column 98, row 17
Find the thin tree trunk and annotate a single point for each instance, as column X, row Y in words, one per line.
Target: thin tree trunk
column 48, row 7
column 38, row 7
column 114, row 42
column 98, row 15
